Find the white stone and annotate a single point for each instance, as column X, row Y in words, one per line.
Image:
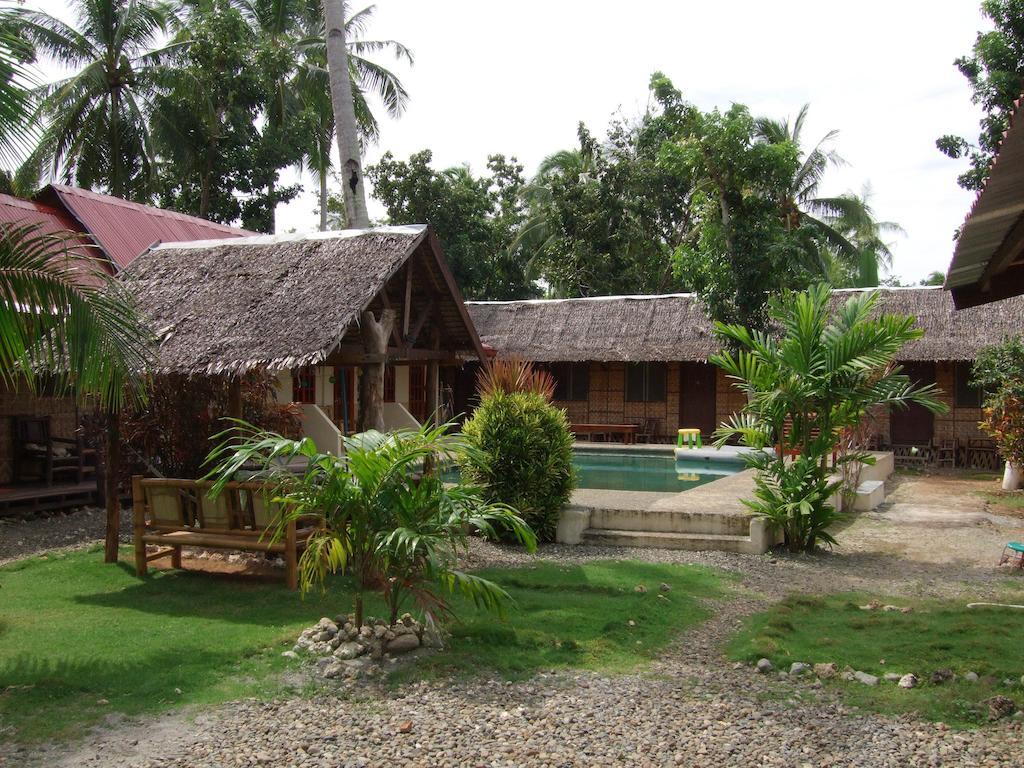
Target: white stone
column 764, row 666
column 864, row 677
column 572, row 522
column 908, row 681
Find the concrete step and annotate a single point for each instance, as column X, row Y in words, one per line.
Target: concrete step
column 664, row 540
column 870, row 494
column 671, row 521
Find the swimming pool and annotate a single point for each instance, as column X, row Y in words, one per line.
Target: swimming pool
column 639, row 471
column 661, row 472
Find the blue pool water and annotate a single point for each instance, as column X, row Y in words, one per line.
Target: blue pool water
column 630, row 471
column 646, row 472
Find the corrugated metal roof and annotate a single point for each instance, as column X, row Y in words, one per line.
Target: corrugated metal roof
column 125, row 229
column 996, row 209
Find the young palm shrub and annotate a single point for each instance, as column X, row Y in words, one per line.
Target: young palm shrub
column 512, row 374
column 396, row 530
column 823, row 375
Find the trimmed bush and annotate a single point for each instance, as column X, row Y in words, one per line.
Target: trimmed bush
column 521, row 454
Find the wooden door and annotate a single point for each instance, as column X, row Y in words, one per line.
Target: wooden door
column 697, row 397
column 345, row 397
column 914, row 425
column 418, row 391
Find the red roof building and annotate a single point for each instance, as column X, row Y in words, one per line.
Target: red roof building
column 123, row 229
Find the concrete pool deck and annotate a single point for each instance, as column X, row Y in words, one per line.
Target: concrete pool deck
column 709, row 516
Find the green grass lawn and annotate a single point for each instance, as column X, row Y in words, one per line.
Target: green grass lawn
column 936, row 635
column 1007, row 502
column 80, row 639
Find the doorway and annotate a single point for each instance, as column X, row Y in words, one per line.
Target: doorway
column 697, row 397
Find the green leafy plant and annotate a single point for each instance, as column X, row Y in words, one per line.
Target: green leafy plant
column 827, row 370
column 394, row 529
column 522, row 456
column 999, row 372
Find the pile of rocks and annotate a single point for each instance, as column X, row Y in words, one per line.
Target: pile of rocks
column 339, row 641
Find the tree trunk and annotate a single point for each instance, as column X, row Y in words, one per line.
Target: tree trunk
column 323, row 199
column 112, row 497
column 375, row 334
column 353, row 184
column 235, row 397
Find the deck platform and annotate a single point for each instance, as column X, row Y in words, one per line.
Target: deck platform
column 22, row 499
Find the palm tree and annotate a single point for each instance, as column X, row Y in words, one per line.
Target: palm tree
column 396, row 530
column 15, row 99
column 95, row 122
column 867, row 236
column 800, row 206
column 825, row 371
column 538, row 232
column 63, row 316
column 312, row 89
column 353, row 183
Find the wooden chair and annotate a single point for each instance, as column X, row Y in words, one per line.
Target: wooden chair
column 946, row 452
column 40, row 456
column 649, row 430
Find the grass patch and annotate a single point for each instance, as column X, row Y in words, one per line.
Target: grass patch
column 1005, row 502
column 80, row 639
column 936, row 635
column 576, row 616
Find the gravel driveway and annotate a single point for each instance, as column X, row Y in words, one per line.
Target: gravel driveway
column 691, row 708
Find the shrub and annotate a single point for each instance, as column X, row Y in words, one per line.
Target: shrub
column 522, row 456
column 999, row 372
column 823, row 374
column 514, row 375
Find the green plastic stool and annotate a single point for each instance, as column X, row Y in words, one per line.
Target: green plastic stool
column 691, row 437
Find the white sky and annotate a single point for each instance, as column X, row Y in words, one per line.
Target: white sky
column 516, row 78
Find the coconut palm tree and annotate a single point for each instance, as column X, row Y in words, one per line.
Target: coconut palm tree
column 868, row 238
column 95, row 121
column 311, row 87
column 63, row 317
column 801, row 206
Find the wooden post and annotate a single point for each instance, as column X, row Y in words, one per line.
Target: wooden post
column 139, row 524
column 375, row 335
column 235, row 397
column 433, row 392
column 112, row 497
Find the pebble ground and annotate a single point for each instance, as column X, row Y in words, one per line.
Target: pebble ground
column 691, row 708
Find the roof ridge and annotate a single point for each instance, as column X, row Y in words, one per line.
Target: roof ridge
column 404, row 229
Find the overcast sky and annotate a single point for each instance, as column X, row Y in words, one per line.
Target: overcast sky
column 517, row 77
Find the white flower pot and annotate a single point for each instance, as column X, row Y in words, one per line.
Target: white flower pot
column 1011, row 477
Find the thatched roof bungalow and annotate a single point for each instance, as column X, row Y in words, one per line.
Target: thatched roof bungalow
column 295, row 304
column 642, row 359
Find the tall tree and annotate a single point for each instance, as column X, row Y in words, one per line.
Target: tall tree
column 801, row 205
column 312, row 90
column 995, row 71
column 353, row 182
column 740, row 251
column 871, row 252
column 606, row 217
column 475, row 218
column 95, row 122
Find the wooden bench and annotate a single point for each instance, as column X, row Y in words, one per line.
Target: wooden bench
column 627, row 431
column 179, row 513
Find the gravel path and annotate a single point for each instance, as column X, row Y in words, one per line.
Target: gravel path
column 21, row 537
column 691, row 708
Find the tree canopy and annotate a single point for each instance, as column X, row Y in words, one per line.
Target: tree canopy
column 995, row 71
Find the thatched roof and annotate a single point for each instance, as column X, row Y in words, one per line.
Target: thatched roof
column 278, row 302
column 677, row 327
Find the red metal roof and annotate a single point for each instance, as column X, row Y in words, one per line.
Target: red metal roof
column 124, row 229
column 54, row 221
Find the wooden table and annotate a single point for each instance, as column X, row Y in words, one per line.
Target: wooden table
column 627, row 431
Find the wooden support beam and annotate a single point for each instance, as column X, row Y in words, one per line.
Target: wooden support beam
column 235, row 397
column 112, row 465
column 386, row 301
column 407, row 308
column 414, row 333
column 375, row 335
